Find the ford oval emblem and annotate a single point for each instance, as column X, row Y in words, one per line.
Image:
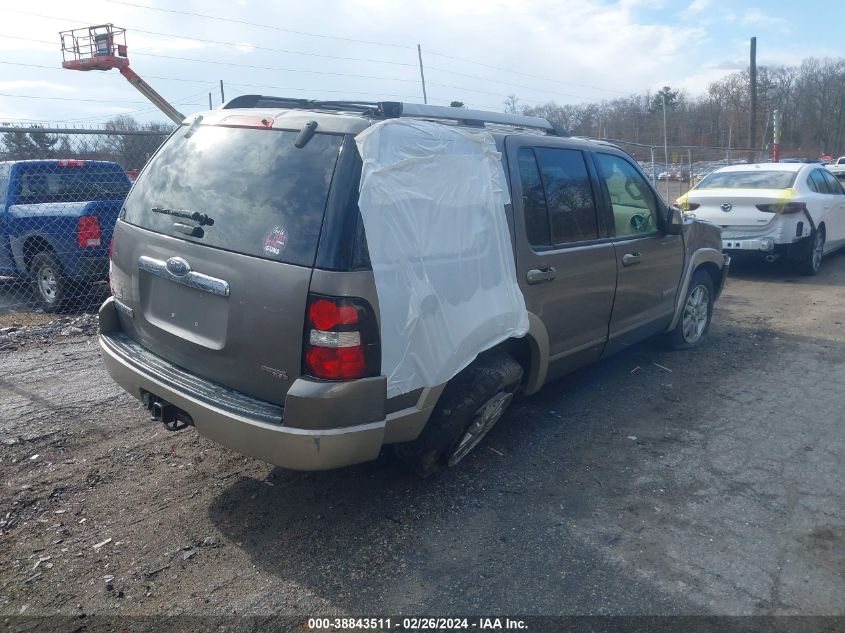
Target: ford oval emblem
column 178, row 266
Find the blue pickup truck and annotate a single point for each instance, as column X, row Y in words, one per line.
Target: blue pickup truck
column 56, row 221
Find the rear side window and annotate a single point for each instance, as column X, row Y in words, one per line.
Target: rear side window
column 265, row 197
column 833, row 185
column 816, row 181
column 39, row 184
column 557, row 196
column 748, row 180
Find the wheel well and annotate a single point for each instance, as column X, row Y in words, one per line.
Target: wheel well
column 714, row 271
column 520, row 350
column 32, row 246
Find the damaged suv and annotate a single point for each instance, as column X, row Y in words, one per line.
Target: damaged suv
column 245, row 303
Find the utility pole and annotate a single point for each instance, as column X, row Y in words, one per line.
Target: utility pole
column 665, row 146
column 210, row 106
column 653, row 169
column 422, row 74
column 752, row 129
column 222, row 95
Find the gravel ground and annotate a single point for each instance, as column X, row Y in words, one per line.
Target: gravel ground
column 655, row 482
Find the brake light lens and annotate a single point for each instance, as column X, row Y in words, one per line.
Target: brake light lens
column 783, row 207
column 72, row 163
column 88, row 232
column 326, row 315
column 342, row 341
column 248, row 120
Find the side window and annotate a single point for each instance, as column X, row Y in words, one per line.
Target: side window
column 816, row 181
column 533, row 199
column 635, row 210
column 4, row 184
column 569, row 196
column 833, row 185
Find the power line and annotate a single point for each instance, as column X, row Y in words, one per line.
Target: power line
column 212, row 83
column 238, row 45
column 516, row 72
column 373, row 42
column 263, row 26
column 276, row 68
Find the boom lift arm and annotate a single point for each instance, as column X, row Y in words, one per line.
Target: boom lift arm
column 103, row 47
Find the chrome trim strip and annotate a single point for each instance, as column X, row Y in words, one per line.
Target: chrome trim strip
column 192, row 279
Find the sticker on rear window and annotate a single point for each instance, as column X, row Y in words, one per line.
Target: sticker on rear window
column 275, row 241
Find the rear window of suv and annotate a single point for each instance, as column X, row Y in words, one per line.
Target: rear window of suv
column 262, row 196
column 748, row 180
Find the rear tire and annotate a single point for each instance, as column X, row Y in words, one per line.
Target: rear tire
column 51, row 284
column 696, row 312
column 811, row 261
column 469, row 406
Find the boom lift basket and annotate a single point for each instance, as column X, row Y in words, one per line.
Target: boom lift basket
column 100, row 47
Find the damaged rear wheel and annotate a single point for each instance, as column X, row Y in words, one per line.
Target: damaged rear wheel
column 470, row 405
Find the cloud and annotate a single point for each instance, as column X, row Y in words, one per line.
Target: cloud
column 756, row 17
column 695, row 7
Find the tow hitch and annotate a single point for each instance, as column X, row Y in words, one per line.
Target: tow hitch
column 172, row 418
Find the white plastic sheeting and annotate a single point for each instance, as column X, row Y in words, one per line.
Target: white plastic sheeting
column 432, row 200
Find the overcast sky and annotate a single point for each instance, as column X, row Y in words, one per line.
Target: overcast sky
column 476, row 51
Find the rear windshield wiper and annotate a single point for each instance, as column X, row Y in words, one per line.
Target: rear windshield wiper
column 200, row 218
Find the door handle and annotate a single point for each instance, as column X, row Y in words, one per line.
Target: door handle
column 539, row 275
column 629, row 259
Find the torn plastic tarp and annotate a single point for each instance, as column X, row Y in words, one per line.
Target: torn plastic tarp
column 432, row 200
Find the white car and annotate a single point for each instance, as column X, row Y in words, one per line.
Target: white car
column 837, row 168
column 774, row 210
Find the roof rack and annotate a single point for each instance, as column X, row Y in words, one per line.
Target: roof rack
column 397, row 109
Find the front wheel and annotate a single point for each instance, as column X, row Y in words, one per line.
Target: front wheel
column 696, row 313
column 469, row 406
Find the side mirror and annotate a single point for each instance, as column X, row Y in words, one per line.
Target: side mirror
column 675, row 221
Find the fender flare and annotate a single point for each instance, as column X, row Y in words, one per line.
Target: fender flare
column 537, row 338
column 699, row 257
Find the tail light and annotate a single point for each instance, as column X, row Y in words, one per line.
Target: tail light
column 72, row 163
column 88, row 231
column 341, row 339
column 783, row 207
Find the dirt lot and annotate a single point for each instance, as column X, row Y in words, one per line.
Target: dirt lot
column 712, row 484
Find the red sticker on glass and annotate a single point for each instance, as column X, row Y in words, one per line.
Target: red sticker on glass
column 275, row 241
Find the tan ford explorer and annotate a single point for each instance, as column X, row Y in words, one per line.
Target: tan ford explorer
column 244, row 303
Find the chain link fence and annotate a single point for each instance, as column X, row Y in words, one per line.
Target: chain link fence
column 61, row 190
column 60, row 194
column 677, row 168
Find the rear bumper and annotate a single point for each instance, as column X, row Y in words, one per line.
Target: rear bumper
column 247, row 426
